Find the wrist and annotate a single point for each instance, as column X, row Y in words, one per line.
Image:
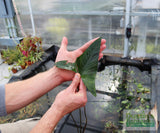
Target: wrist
column 55, row 74
column 56, row 112
column 48, row 122
column 52, row 117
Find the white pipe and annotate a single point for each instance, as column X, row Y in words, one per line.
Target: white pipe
column 31, row 15
column 127, row 22
column 90, row 28
column 13, row 27
column 96, row 13
column 9, row 27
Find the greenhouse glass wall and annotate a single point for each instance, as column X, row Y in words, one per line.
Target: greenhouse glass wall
column 127, row 80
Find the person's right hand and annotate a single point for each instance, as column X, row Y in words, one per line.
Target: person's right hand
column 69, row 99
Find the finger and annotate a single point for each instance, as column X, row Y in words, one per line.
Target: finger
column 82, row 87
column 64, row 43
column 103, row 41
column 80, row 51
column 82, row 90
column 102, row 47
column 75, row 83
column 86, row 45
column 100, row 56
column 77, row 53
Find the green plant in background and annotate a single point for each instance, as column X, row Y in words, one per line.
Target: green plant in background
column 11, row 56
column 111, row 127
column 21, row 62
column 131, row 94
column 30, row 45
column 135, row 93
column 31, row 48
column 27, row 52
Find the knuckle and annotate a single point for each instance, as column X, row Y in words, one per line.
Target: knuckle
column 83, row 100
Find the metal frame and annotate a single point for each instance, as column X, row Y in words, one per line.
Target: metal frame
column 12, row 29
column 97, row 13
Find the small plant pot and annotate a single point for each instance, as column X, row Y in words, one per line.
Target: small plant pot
column 14, row 70
column 29, row 63
column 23, row 66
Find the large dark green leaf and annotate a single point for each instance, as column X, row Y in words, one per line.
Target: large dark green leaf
column 86, row 65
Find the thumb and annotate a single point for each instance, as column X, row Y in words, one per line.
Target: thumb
column 64, row 43
column 74, row 85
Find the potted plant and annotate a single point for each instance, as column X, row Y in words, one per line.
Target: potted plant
column 31, row 48
column 21, row 62
column 30, row 45
column 27, row 52
column 14, row 69
column 10, row 56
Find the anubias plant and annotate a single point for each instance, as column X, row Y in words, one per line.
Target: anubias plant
column 86, row 65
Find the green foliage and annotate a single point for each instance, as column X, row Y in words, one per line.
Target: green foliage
column 30, row 49
column 131, row 94
column 86, row 65
column 30, row 45
column 11, row 56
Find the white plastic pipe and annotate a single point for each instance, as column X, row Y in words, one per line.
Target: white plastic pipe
column 31, row 15
column 127, row 22
column 90, row 28
column 13, row 27
column 9, row 27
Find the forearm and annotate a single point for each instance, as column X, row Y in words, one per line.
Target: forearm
column 22, row 93
column 48, row 121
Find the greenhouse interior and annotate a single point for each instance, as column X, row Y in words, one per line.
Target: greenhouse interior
column 123, row 97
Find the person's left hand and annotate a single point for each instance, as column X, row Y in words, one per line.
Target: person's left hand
column 71, row 56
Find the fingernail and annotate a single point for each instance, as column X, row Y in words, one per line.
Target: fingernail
column 65, row 40
column 77, row 75
column 103, row 40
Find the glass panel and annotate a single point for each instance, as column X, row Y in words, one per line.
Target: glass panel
column 3, row 28
column 53, row 21
column 146, row 4
column 41, row 6
column 145, row 23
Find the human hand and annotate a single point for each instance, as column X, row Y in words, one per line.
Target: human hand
column 71, row 56
column 69, row 99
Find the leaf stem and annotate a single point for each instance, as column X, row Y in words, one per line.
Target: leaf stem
column 74, row 122
column 80, row 120
column 86, row 119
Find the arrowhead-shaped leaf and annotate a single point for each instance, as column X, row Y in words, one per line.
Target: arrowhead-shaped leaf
column 86, row 65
